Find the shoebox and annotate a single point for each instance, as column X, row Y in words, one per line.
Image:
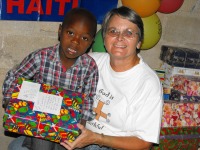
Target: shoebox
column 171, row 71
column 180, row 127
column 181, row 84
column 180, row 114
column 178, row 138
column 180, row 56
column 161, row 74
column 43, row 111
column 178, row 96
column 173, row 56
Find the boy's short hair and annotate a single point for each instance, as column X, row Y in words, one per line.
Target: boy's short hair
column 83, row 14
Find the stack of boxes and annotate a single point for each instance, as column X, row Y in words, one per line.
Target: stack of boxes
column 182, row 73
column 181, row 111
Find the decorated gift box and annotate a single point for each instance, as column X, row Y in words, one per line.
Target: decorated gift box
column 182, row 84
column 181, row 114
column 180, row 128
column 43, row 111
column 179, row 138
column 188, row 85
column 183, row 87
column 161, row 74
column 178, row 96
column 171, row 71
column 179, row 56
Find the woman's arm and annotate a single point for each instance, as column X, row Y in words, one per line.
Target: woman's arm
column 88, row 137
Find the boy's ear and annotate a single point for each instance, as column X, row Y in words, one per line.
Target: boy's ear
column 59, row 31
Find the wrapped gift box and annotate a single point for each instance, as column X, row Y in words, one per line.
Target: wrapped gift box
column 180, row 57
column 178, row 96
column 173, row 56
column 181, row 114
column 179, row 138
column 180, row 128
column 181, row 83
column 24, row 116
column 185, row 88
column 161, row 74
column 171, row 71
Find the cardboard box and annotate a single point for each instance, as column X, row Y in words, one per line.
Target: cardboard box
column 62, row 111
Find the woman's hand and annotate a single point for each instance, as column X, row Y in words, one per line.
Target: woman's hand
column 86, row 137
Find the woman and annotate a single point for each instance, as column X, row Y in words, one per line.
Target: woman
column 128, row 102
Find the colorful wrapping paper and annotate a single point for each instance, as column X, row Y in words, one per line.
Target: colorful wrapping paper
column 181, row 114
column 21, row 118
column 177, row 144
column 180, row 56
column 178, row 138
column 180, row 126
column 178, row 96
column 185, row 74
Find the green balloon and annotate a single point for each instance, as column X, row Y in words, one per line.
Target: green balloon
column 98, row 45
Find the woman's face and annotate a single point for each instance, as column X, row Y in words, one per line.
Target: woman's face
column 121, row 38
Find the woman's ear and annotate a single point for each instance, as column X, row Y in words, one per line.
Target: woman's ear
column 139, row 45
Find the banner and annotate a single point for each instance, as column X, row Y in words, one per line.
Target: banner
column 51, row 10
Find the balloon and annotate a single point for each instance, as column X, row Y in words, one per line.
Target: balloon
column 98, row 45
column 152, row 31
column 144, row 8
column 169, row 6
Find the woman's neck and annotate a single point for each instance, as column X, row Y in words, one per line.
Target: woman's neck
column 120, row 65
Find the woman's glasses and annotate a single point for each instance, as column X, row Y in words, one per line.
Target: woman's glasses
column 128, row 33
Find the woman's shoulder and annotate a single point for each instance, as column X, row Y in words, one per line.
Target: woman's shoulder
column 99, row 56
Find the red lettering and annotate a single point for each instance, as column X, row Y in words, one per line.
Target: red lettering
column 48, row 7
column 35, row 5
column 75, row 3
column 17, row 3
column 62, row 6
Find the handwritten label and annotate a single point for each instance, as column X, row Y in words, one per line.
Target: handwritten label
column 48, row 103
column 29, row 91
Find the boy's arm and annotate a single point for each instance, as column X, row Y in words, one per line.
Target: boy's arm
column 26, row 69
column 90, row 91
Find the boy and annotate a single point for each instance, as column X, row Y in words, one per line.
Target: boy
column 64, row 65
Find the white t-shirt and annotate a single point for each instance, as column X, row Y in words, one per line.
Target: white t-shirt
column 127, row 103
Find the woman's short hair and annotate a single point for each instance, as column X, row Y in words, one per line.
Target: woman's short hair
column 125, row 13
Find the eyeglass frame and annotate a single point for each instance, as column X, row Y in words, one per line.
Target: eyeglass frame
column 124, row 33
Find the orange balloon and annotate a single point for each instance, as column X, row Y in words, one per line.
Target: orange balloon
column 144, row 8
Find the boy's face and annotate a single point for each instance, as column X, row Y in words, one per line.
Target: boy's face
column 75, row 38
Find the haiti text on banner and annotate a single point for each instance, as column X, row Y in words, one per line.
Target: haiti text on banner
column 51, row 10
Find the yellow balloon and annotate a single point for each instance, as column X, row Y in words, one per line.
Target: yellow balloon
column 152, row 31
column 144, row 8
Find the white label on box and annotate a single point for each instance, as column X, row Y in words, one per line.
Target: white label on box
column 48, row 103
column 29, row 91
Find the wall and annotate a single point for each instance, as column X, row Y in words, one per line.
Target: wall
column 19, row 38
